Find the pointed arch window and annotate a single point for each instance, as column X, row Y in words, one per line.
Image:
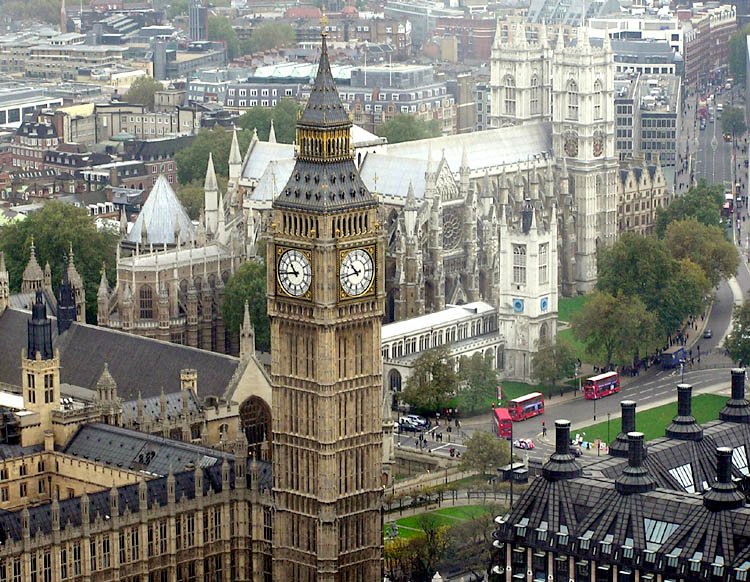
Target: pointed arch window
column 146, row 302
column 597, row 99
column 534, row 96
column 509, row 95
column 572, row 91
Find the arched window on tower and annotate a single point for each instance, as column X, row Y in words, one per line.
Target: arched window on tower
column 509, row 88
column 534, row 101
column 572, row 91
column 597, row 100
column 146, row 302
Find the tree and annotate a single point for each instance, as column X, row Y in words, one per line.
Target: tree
column 554, row 361
column 615, row 329
column 192, row 161
column 248, row 284
column 479, row 374
column 220, row 28
column 738, row 340
column 269, row 35
column 192, row 195
column 433, row 381
column 34, row 10
column 703, row 202
column 485, row 453
column 706, row 246
column 738, row 54
column 55, row 229
column 177, row 8
column 733, row 122
column 141, row 91
column 405, row 127
column 284, row 116
column 642, row 266
column 469, row 543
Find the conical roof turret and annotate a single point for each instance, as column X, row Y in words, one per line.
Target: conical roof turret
column 272, row 133
column 324, row 107
column 33, row 271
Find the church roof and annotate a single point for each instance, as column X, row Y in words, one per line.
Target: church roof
column 390, row 175
column 451, row 314
column 132, row 359
column 484, row 149
column 276, row 174
column 160, row 215
column 263, row 153
column 181, row 256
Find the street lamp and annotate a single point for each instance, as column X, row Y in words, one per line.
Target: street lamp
column 609, row 414
column 594, row 406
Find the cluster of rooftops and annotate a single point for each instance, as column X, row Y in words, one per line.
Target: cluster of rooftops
column 675, row 507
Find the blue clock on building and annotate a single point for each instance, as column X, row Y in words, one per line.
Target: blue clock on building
column 544, row 304
column 518, row 305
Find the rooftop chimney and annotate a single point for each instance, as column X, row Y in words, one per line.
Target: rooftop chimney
column 683, row 425
column 737, row 408
column 562, row 464
column 723, row 493
column 635, row 477
column 619, row 448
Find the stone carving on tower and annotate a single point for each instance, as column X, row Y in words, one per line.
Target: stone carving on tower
column 325, row 300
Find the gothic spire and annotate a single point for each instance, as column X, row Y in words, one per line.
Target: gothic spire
column 324, row 107
column 103, row 283
column 234, row 152
column 272, row 134
column 210, row 184
column 32, row 274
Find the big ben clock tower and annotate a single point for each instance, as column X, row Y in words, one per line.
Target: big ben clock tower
column 325, row 300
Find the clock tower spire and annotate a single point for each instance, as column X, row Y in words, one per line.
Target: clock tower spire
column 325, row 300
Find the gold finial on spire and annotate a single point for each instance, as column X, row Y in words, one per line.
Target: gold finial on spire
column 323, row 22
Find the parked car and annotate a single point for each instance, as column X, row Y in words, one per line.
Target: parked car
column 708, row 334
column 420, row 421
column 526, row 444
column 407, row 425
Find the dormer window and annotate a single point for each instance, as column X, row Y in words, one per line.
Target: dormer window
column 541, row 532
column 585, row 540
column 717, row 568
column 521, row 527
column 562, row 535
column 695, row 562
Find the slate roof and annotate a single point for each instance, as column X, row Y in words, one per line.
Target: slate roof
column 329, row 186
column 137, row 451
column 161, row 214
column 85, row 348
column 40, row 517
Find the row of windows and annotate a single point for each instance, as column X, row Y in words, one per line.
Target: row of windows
column 252, row 103
column 519, row 264
column 659, row 122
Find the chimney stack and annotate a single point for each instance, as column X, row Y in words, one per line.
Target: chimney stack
column 635, row 477
column 562, row 464
column 737, row 408
column 683, row 426
column 723, row 493
column 619, row 447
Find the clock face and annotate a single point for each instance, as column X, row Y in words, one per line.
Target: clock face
column 598, row 147
column 357, row 272
column 571, row 147
column 294, row 272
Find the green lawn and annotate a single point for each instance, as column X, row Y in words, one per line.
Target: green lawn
column 652, row 422
column 569, row 306
column 408, row 527
column 579, row 350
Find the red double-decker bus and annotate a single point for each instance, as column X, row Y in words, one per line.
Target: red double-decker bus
column 602, row 385
column 503, row 423
column 526, row 406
